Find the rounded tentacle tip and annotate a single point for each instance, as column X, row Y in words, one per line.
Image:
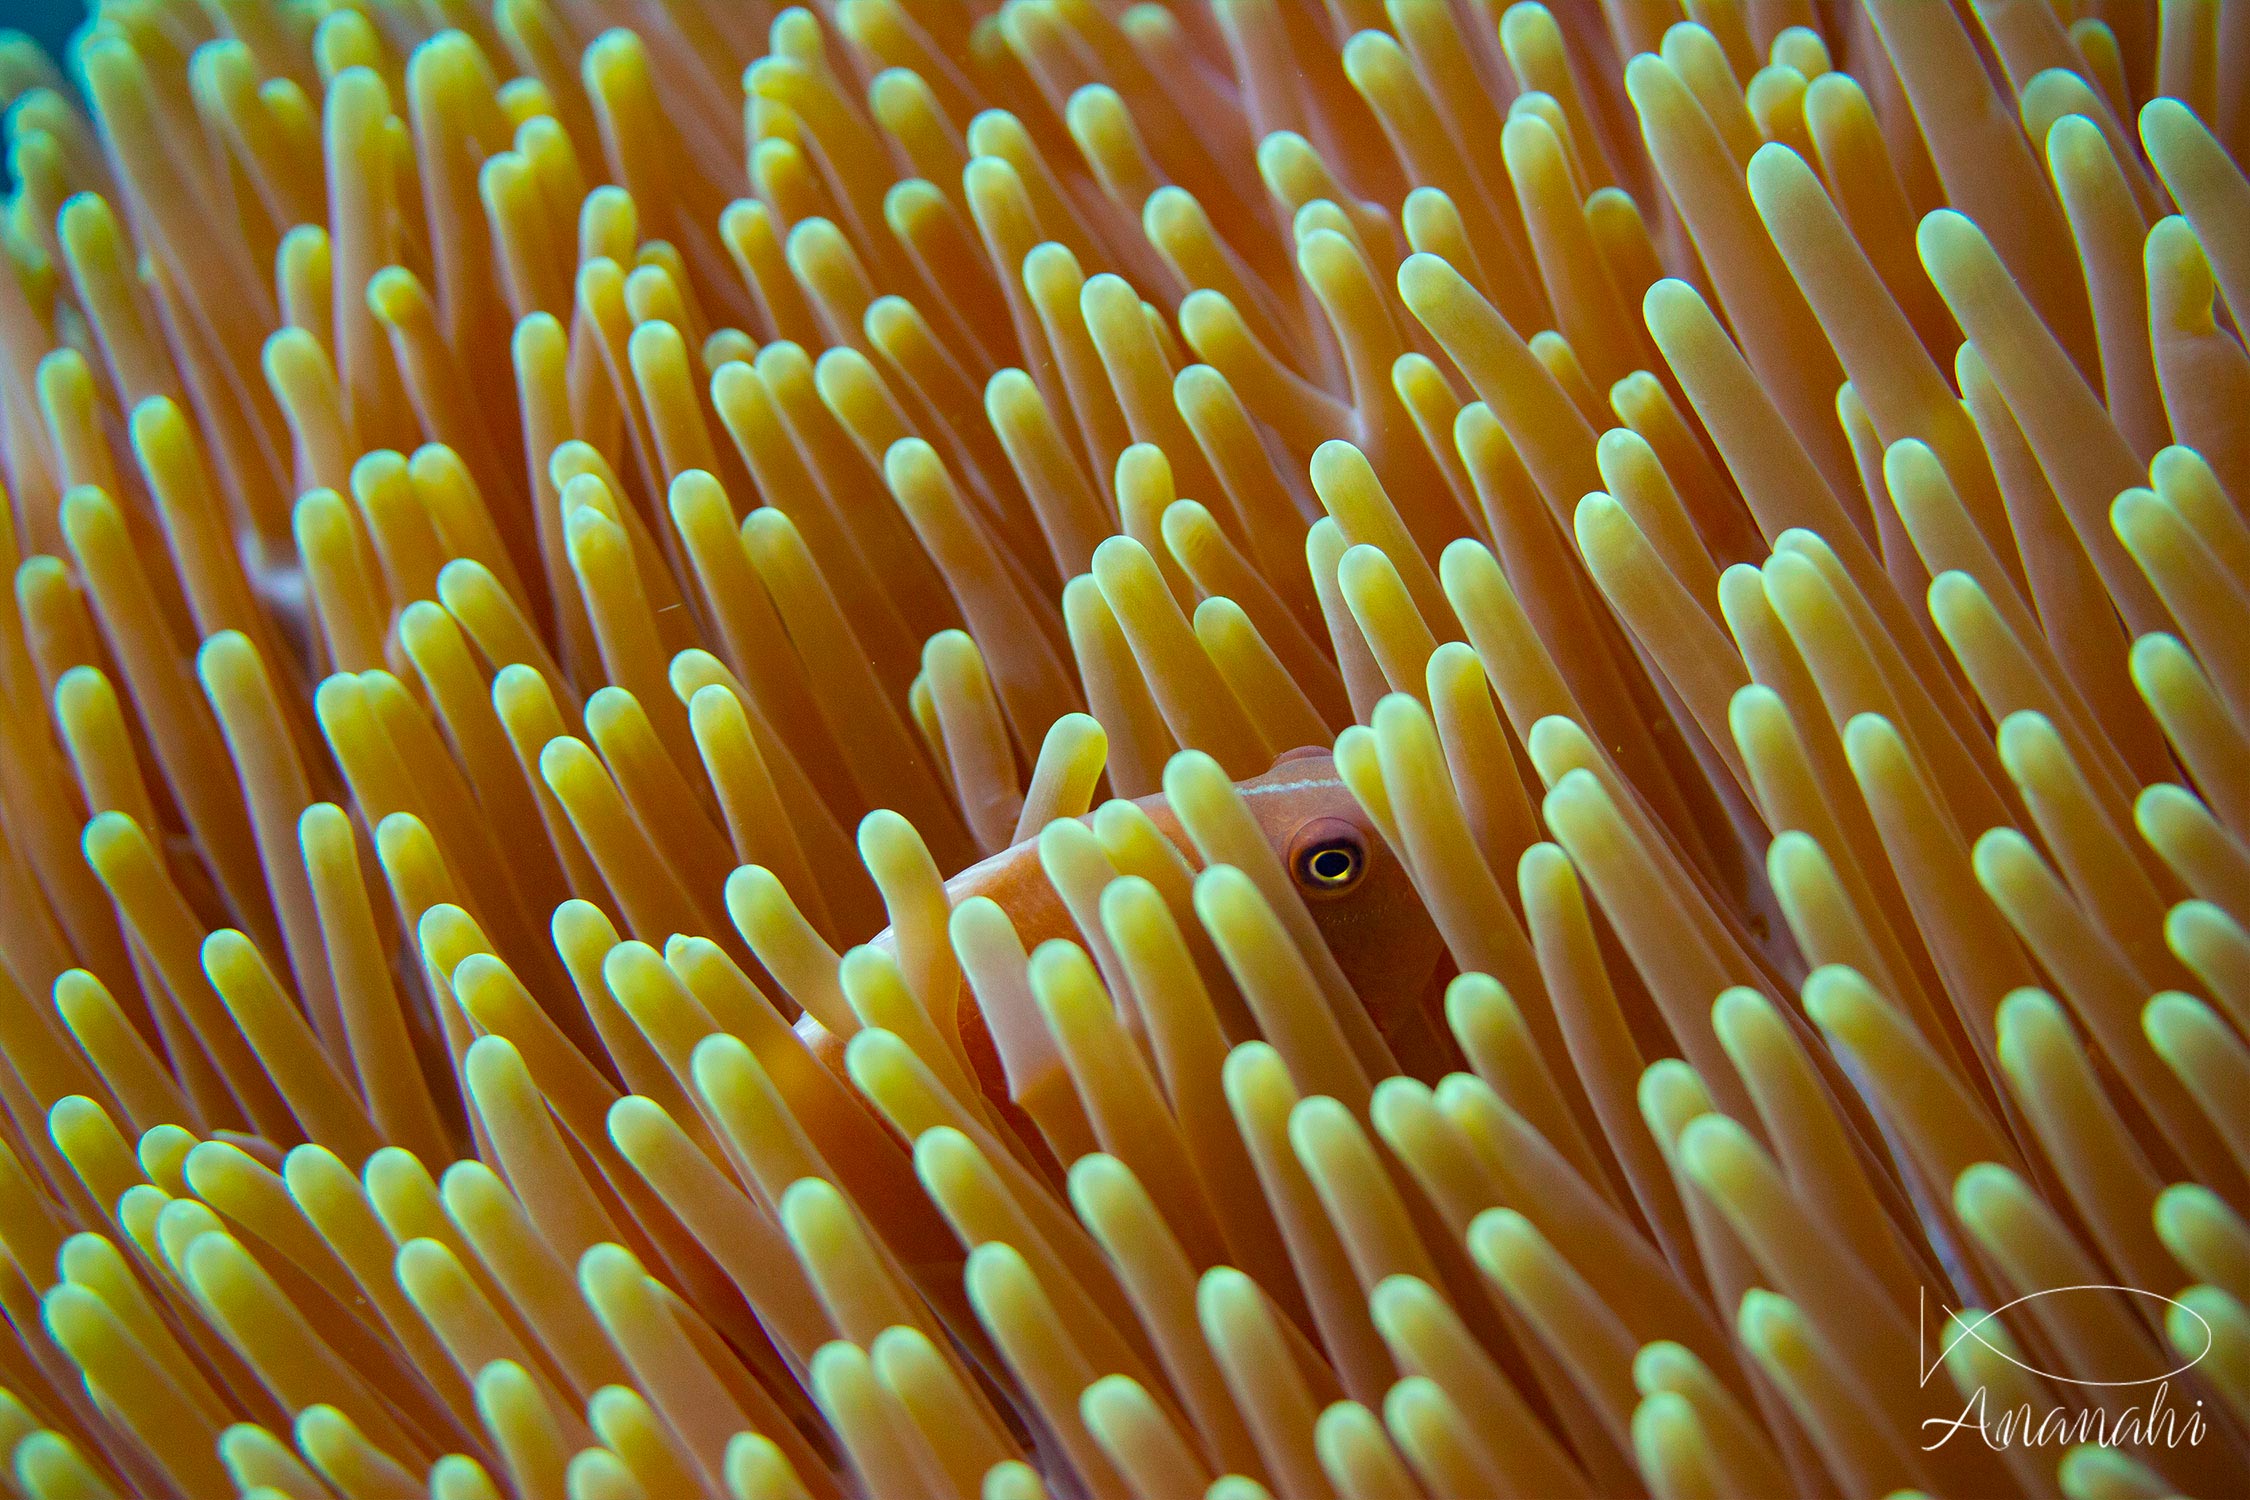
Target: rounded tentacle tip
column 1425, row 279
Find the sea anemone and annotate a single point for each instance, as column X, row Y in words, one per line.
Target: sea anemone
column 1264, row 750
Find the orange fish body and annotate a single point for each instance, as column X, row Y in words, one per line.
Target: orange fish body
column 1360, row 897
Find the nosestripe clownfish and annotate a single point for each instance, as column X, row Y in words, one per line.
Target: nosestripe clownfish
column 1358, row 893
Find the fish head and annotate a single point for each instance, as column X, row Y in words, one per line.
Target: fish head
column 1355, row 886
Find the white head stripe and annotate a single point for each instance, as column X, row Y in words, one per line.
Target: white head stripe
column 1290, row 786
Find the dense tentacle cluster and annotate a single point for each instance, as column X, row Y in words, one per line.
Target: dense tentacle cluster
column 545, row 536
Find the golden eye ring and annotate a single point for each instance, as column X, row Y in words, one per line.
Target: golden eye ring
column 1331, row 867
column 1328, row 859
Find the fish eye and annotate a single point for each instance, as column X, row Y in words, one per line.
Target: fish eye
column 1332, row 866
column 1329, row 858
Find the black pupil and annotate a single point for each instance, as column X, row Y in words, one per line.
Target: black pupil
column 1332, row 864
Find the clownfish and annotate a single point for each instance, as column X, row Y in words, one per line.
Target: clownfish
column 1359, row 894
